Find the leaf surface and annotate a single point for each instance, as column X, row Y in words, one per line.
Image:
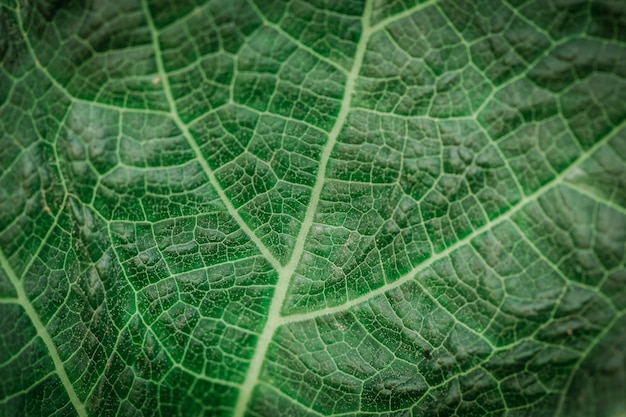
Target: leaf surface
column 289, row 208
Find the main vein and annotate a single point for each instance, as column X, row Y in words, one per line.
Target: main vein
column 285, row 274
column 42, row 332
column 182, row 126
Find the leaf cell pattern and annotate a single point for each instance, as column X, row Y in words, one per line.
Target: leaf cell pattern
column 285, row 207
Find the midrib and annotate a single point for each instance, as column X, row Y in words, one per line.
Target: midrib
column 285, row 273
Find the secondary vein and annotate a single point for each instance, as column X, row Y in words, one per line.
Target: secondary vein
column 42, row 332
column 182, row 126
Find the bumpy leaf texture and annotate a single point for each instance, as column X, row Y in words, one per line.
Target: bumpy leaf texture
column 312, row 208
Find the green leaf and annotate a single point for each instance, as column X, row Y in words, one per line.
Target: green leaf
column 312, row 208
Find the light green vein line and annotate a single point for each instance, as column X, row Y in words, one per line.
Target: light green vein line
column 406, row 13
column 332, row 141
column 42, row 332
column 284, row 277
column 410, row 117
column 194, row 146
column 558, row 180
column 117, row 108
